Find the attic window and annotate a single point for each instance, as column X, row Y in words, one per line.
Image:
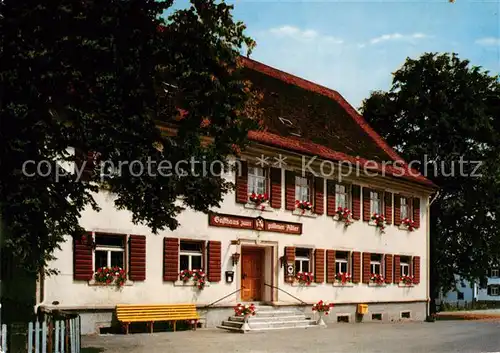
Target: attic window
column 168, row 87
column 286, row 122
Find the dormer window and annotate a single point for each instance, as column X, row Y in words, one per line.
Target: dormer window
column 257, row 180
column 286, row 122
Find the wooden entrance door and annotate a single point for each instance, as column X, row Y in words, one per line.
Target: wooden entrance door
column 251, row 274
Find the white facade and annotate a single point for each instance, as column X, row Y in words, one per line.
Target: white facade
column 318, row 232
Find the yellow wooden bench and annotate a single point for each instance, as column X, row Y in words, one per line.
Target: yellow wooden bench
column 129, row 313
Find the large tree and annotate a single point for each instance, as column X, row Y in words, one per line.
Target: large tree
column 100, row 76
column 444, row 113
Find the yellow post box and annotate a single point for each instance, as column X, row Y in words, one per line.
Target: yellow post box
column 362, row 308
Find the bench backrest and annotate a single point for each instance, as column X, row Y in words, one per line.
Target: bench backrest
column 126, row 311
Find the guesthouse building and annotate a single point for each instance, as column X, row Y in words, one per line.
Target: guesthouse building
column 323, row 209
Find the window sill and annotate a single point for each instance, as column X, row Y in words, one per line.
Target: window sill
column 252, row 206
column 93, row 283
column 338, row 284
column 403, row 227
column 297, row 284
column 371, row 284
column 402, row 285
column 188, row 284
column 309, row 214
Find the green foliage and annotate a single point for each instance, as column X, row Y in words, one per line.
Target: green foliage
column 100, row 76
column 439, row 110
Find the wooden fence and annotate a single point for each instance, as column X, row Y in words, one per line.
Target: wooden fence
column 49, row 336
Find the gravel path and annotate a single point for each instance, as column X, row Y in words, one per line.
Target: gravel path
column 440, row 336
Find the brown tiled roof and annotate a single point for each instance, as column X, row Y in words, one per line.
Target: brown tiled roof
column 304, row 117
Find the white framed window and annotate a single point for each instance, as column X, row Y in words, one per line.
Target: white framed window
column 257, row 180
column 302, row 260
column 375, row 202
column 404, row 207
column 494, row 290
column 376, row 264
column 341, row 262
column 302, row 189
column 341, row 196
column 109, row 250
column 495, row 272
column 190, row 255
column 404, row 266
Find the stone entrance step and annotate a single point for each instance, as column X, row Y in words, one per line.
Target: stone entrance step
column 269, row 318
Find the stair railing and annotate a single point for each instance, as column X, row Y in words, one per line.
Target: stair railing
column 284, row 291
column 218, row 300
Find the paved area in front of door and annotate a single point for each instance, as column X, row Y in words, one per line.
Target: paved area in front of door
column 440, row 336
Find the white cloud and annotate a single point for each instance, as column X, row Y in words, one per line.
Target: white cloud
column 488, row 41
column 398, row 36
column 306, row 34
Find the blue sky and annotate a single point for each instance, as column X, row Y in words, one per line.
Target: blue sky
column 354, row 46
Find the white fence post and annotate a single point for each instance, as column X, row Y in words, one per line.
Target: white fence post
column 4, row 338
column 44, row 337
column 37, row 337
column 56, row 340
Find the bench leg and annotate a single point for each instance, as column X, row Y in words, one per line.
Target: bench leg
column 125, row 326
column 175, row 325
column 151, row 326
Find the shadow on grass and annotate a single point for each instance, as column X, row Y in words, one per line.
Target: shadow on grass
column 92, row 350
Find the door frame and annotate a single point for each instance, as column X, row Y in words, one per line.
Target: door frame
column 254, row 249
column 271, row 269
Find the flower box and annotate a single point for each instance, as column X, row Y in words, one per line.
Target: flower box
column 197, row 276
column 377, row 279
column 408, row 224
column 304, row 278
column 343, row 278
column 303, row 206
column 378, row 221
column 343, row 215
column 406, row 281
column 106, row 276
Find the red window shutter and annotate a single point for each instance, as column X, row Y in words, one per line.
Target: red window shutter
column 214, row 261
column 366, row 205
column 290, row 190
column 397, row 210
column 330, row 198
column 388, row 207
column 319, row 265
column 356, row 267
column 397, row 268
column 319, row 193
column 416, row 212
column 366, row 267
column 275, row 188
column 137, row 258
column 356, row 202
column 170, row 259
column 388, row 268
column 82, row 256
column 330, row 266
column 242, row 183
column 416, row 269
column 290, row 258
